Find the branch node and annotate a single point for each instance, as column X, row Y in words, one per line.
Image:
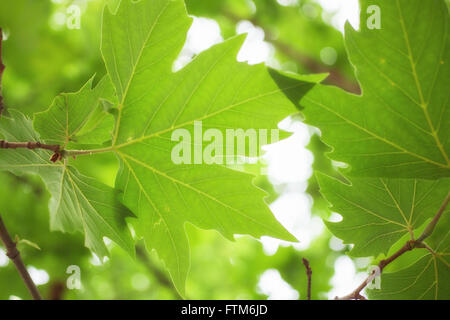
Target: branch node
column 2, row 68
column 12, row 252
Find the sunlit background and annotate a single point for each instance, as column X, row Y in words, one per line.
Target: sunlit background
column 48, row 59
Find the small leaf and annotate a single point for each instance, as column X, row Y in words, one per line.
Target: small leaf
column 26, row 242
column 78, row 203
column 378, row 212
column 78, row 118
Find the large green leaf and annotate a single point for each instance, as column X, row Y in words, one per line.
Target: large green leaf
column 154, row 101
column 399, row 126
column 78, row 203
column 378, row 212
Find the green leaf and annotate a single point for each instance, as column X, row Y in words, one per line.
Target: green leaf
column 78, row 118
column 78, row 203
column 399, row 126
column 428, row 277
column 18, row 128
column 377, row 212
column 154, row 101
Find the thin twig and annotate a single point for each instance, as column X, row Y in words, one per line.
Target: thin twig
column 2, row 68
column 309, row 275
column 56, row 290
column 14, row 255
column 57, row 154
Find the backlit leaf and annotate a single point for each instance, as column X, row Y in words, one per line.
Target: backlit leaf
column 399, row 126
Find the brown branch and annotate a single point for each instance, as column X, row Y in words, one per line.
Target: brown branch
column 2, row 68
column 335, row 78
column 57, row 290
column 14, row 255
column 309, row 275
column 57, row 152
